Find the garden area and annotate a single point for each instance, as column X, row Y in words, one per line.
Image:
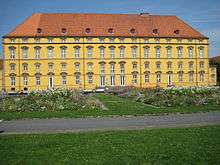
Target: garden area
column 115, row 101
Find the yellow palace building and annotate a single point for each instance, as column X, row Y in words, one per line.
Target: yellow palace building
column 86, row 51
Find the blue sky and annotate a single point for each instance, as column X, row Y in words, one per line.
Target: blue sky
column 204, row 15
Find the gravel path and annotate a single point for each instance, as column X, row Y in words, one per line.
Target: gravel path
column 108, row 123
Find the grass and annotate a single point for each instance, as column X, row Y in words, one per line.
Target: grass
column 116, row 106
column 196, row 145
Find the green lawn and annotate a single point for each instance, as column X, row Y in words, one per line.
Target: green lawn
column 198, row 145
column 115, row 105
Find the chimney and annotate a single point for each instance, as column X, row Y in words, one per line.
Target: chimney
column 144, row 14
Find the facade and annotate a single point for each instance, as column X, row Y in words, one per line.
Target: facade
column 1, row 74
column 86, row 51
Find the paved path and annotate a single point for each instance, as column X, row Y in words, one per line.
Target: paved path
column 107, row 123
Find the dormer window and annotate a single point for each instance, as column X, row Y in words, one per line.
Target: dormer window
column 88, row 30
column 63, row 30
column 155, row 31
column 110, row 30
column 132, row 30
column 39, row 30
column 177, row 31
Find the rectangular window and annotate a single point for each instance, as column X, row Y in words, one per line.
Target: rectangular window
column 134, row 65
column 63, row 52
column 169, row 52
column 180, row 52
column 50, row 66
column 158, row 78
column 158, row 65
column 170, row 77
column 102, row 52
column 90, row 67
column 37, row 53
column 122, row 68
column 77, row 79
column 201, row 77
column 190, row 52
column 180, row 77
column 25, row 53
column 12, row 67
column 77, row 66
column 37, row 80
column 122, row 52
column 50, row 52
column 146, row 65
column 12, row 53
column 191, row 66
column 157, row 52
column 201, row 52
column 112, row 80
column 169, row 66
column 112, row 52
column 77, row 52
column 201, row 65
column 102, row 80
column 102, row 68
column 146, row 78
column 12, row 80
column 25, row 67
column 122, row 80
column 112, row 68
column 191, row 79
column 64, row 81
column 90, row 80
column 63, row 67
column 134, row 52
column 134, row 79
column 146, row 52
column 25, row 80
column 180, row 66
column 89, row 52
column 37, row 67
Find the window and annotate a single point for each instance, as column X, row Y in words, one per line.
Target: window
column 168, row 40
column 90, row 79
column 89, row 67
column 158, row 65
column 180, row 77
column 157, row 40
column 155, row 31
column 12, row 52
column 25, row 67
column 112, row 52
column 132, row 30
column 12, row 40
column 190, row 52
column 50, row 40
column 134, row 78
column 89, row 52
column 37, row 52
column 102, row 52
column 50, row 66
column 201, row 52
column 12, row 79
column 134, row 52
column 122, row 52
column 146, row 52
column 122, row 68
column 102, row 68
column 158, row 77
column 50, row 52
column 24, row 40
column 201, row 65
column 25, row 80
column 157, row 52
column 146, row 78
column 102, row 80
column 63, row 40
column 24, row 52
column 191, row 66
column 169, row 65
column 37, row 40
column 77, row 39
column 112, row 80
column 77, row 52
column 63, row 67
column 133, row 40
column 170, row 76
column 110, row 31
column 180, row 52
column 88, row 30
column 180, row 65
column 89, row 39
column 63, row 52
column 146, row 65
column 37, row 67
column 112, row 68
column 169, row 52
column 134, row 65
column 77, row 79
column 201, row 77
column 111, row 39
column 122, row 80
column 121, row 39
column 102, row 40
column 64, row 81
column 146, row 40
column 77, row 66
column 191, row 79
column 12, row 67
column 37, row 80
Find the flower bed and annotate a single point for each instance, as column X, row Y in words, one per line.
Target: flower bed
column 50, row 100
column 170, row 96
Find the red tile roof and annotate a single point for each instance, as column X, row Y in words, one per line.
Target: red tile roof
column 99, row 25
